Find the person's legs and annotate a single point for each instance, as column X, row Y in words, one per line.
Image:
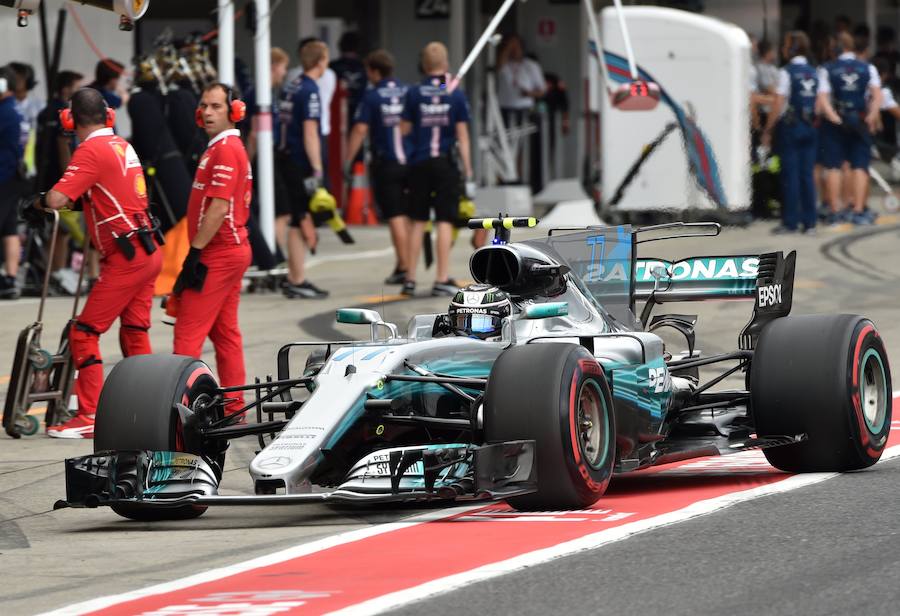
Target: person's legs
column 790, row 182
column 420, row 187
column 399, row 227
column 135, row 318
column 12, row 249
column 859, row 157
column 296, row 255
column 198, row 310
column 416, row 236
column 832, row 157
column 806, row 160
column 444, row 243
column 833, row 189
column 860, row 189
column 446, row 209
column 120, row 283
column 226, row 337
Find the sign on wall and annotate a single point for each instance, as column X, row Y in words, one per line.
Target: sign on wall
column 432, row 9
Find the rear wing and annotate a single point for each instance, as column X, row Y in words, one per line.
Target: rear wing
column 696, row 278
column 768, row 279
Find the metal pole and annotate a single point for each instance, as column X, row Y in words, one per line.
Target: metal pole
column 595, row 35
column 226, row 41
column 632, row 65
column 457, row 38
column 265, row 159
column 473, row 55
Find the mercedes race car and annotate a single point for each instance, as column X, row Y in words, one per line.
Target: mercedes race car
column 539, row 404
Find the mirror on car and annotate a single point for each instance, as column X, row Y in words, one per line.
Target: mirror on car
column 638, row 95
column 550, row 309
column 357, row 316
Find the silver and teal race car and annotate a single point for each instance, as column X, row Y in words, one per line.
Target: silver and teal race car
column 576, row 387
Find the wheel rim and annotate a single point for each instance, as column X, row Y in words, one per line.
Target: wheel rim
column 873, row 390
column 593, row 425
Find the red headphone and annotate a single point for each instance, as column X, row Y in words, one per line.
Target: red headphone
column 67, row 120
column 237, row 109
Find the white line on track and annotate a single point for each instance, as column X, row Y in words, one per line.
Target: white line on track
column 262, row 561
column 449, row 583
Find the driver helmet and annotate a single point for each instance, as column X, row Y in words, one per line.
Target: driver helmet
column 478, row 311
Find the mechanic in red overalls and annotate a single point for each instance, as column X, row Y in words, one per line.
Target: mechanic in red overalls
column 209, row 285
column 106, row 174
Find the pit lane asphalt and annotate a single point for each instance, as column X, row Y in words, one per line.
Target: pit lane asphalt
column 814, row 550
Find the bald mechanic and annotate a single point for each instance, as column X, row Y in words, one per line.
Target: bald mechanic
column 106, row 174
column 209, row 285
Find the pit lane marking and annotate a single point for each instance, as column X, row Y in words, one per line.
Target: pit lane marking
column 345, row 563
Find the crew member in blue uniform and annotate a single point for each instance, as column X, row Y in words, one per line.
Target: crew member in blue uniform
column 792, row 116
column 436, row 120
column 378, row 117
column 850, row 99
column 11, row 152
column 350, row 69
column 300, row 160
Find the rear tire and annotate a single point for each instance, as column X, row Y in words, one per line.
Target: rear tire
column 556, row 395
column 826, row 376
column 136, row 411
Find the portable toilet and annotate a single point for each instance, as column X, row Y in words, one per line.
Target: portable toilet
column 702, row 65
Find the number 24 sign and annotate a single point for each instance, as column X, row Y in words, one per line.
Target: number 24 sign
column 432, row 9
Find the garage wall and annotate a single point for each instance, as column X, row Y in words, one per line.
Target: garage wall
column 24, row 44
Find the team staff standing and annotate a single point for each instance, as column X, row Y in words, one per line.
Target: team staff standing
column 11, row 152
column 850, row 95
column 209, row 284
column 301, row 160
column 106, row 174
column 436, row 120
column 378, row 117
column 792, row 114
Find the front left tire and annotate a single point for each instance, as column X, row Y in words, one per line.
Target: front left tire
column 136, row 411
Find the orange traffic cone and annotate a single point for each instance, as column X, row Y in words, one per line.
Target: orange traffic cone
column 360, row 208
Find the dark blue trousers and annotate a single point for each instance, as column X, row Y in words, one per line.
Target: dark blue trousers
column 796, row 146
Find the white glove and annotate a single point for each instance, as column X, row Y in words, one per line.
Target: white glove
column 312, row 183
column 471, row 189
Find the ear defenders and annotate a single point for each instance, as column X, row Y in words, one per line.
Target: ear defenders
column 237, row 109
column 67, row 119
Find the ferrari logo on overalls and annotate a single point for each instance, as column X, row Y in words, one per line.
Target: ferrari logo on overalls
column 140, row 186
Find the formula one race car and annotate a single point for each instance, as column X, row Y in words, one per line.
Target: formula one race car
column 567, row 388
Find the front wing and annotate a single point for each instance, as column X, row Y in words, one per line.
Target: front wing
column 173, row 479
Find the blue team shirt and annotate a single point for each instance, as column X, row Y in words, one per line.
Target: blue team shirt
column 381, row 108
column 804, row 87
column 300, row 101
column 434, row 114
column 11, row 150
column 849, row 83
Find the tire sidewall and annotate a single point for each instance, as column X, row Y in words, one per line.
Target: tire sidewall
column 582, row 370
column 868, row 444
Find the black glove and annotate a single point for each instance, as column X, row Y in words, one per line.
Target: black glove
column 193, row 273
column 348, row 173
column 33, row 214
